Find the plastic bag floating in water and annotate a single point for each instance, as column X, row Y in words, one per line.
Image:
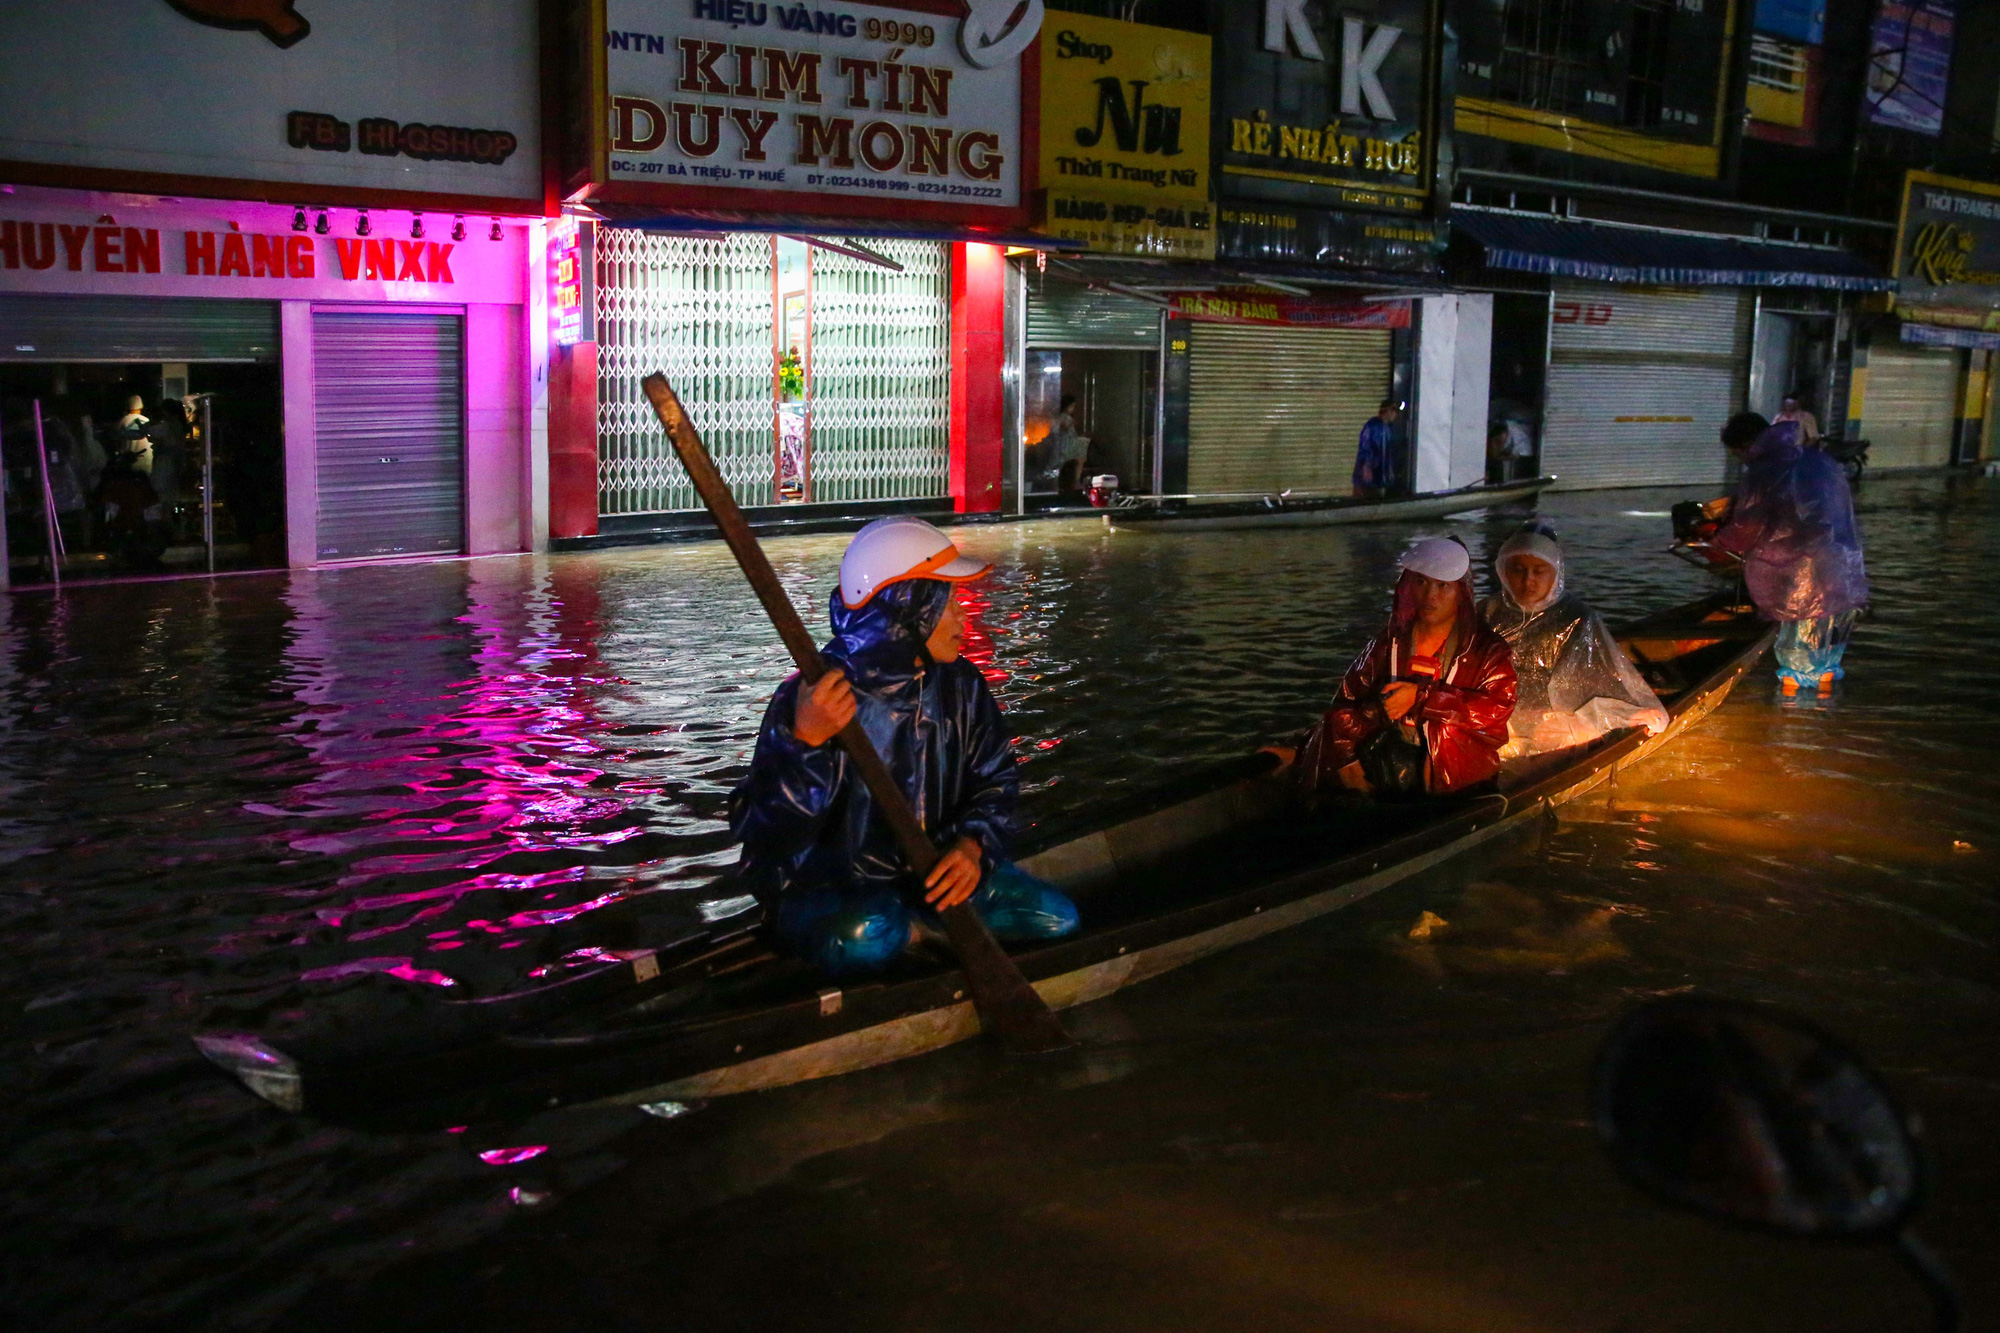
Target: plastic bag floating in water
column 263, row 1068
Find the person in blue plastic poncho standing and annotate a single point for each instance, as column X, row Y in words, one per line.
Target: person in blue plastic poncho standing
column 1375, row 460
column 827, row 870
column 1791, row 521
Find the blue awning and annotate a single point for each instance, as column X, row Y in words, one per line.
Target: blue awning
column 1675, row 259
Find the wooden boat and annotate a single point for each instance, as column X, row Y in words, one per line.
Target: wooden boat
column 1219, row 513
column 1215, row 862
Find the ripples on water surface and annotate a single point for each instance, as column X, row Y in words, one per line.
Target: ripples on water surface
column 221, row 801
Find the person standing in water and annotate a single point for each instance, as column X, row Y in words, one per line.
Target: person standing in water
column 1791, row 522
column 831, row 877
column 1375, row 458
column 1423, row 710
column 1575, row 682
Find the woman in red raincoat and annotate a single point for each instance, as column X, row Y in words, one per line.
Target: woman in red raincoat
column 1423, row 710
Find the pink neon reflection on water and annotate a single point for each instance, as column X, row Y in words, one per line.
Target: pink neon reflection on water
column 425, row 769
column 399, row 968
column 513, row 1156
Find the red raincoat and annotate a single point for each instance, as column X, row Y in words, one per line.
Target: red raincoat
column 1463, row 715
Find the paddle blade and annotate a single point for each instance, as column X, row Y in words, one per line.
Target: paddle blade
column 1009, row 1008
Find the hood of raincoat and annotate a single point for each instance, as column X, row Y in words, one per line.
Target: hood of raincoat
column 880, row 644
column 1575, row 682
column 1792, row 522
column 1540, row 542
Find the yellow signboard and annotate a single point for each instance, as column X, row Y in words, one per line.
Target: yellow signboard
column 1125, row 137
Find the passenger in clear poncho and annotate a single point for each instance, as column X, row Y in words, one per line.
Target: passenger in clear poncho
column 1576, row 683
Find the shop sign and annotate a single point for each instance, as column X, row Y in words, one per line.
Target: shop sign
column 1124, row 131
column 829, row 109
column 568, row 304
column 364, row 101
column 1322, row 236
column 124, row 246
column 1328, row 104
column 1948, row 251
column 1909, row 64
column 1261, row 307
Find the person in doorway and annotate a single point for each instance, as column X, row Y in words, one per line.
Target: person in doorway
column 1375, row 459
column 827, row 869
column 1499, row 453
column 1794, row 411
column 1791, row 522
column 1423, row 710
column 1575, row 683
column 135, row 430
column 1068, row 448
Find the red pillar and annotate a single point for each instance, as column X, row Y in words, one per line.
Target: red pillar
column 978, row 361
column 573, row 440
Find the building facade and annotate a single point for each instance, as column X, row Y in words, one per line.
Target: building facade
column 321, row 291
column 1694, row 209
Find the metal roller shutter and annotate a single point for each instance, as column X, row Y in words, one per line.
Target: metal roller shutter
column 1068, row 314
column 136, row 328
column 1909, row 409
column 1271, row 409
column 388, row 410
column 1640, row 383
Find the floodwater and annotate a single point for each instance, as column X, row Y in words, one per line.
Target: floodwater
column 222, row 802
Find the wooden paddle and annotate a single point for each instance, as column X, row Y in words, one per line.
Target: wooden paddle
column 1008, row 1006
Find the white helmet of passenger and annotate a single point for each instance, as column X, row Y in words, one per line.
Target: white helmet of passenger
column 890, row 550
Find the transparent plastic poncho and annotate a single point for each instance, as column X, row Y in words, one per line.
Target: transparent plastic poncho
column 1576, row 683
column 1792, row 521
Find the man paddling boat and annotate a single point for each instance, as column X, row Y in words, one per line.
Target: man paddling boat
column 1423, row 710
column 828, row 870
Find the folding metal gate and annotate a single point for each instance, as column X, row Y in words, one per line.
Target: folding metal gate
column 881, row 374
column 700, row 309
column 389, row 417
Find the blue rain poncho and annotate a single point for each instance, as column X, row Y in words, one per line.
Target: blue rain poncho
column 1576, row 683
column 805, row 818
column 1792, row 522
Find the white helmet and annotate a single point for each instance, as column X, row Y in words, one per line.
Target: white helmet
column 890, row 550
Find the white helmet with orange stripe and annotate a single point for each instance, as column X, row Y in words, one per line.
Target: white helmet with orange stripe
column 890, row 550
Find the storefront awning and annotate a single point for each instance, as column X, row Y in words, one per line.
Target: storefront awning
column 1637, row 255
column 643, row 217
column 1160, row 276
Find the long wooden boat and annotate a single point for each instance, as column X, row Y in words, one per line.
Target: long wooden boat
column 1202, row 514
column 1218, row 861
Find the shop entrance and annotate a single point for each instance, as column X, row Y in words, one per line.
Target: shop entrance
column 1089, row 411
column 1793, row 358
column 110, row 491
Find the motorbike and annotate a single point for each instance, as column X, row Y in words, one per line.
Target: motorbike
column 1749, row 1115
column 1852, row 455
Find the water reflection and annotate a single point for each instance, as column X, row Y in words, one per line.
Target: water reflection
column 228, row 805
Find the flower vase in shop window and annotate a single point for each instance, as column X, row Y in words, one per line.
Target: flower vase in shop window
column 791, row 428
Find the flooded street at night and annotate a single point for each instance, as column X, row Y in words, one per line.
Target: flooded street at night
column 223, row 801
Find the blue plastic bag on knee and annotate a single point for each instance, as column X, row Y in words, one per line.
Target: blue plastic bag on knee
column 1017, row 906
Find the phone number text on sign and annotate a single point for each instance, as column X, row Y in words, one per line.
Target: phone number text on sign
column 722, row 93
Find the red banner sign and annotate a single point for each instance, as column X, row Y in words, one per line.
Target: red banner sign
column 1249, row 306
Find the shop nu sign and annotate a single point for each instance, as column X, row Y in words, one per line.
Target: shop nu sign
column 822, row 109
